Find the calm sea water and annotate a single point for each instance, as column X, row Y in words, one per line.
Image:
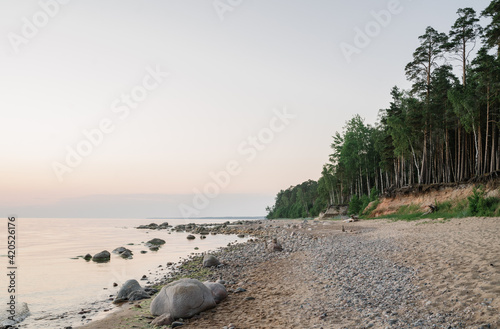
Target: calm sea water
column 54, row 285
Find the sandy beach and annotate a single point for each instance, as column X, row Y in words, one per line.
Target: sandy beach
column 376, row 274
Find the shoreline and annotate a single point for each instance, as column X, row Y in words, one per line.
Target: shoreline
column 376, row 274
column 72, row 309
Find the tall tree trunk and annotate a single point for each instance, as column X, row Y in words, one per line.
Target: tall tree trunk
column 485, row 169
column 494, row 150
column 477, row 158
column 419, row 173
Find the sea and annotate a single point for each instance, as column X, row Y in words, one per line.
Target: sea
column 56, row 284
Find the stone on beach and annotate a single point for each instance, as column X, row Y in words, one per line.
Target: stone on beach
column 138, row 295
column 131, row 290
column 210, row 260
column 101, row 257
column 182, row 299
column 163, row 320
column 275, row 246
column 218, row 290
column 190, row 237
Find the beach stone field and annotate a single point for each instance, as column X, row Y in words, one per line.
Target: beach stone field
column 331, row 274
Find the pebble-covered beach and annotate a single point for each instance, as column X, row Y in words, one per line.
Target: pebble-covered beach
column 330, row 274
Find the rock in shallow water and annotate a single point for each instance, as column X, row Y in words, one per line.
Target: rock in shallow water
column 101, row 257
column 8, row 320
column 131, row 290
column 155, row 242
column 123, row 252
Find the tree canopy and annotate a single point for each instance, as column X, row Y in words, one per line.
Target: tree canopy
column 443, row 130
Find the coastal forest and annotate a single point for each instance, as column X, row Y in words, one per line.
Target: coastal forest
column 445, row 129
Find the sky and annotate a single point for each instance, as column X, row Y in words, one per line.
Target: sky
column 189, row 108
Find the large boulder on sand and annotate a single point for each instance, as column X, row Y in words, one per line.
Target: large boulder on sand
column 101, row 257
column 131, row 290
column 210, row 260
column 182, row 299
column 218, row 290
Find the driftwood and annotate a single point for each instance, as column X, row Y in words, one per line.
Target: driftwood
column 432, row 208
column 352, row 219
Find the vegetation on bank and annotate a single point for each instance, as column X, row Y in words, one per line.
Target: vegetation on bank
column 476, row 205
column 444, row 129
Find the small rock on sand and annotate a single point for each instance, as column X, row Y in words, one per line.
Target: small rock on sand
column 210, row 260
column 163, row 320
column 218, row 290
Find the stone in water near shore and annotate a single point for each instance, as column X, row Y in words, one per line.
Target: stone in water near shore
column 191, row 237
column 7, row 320
column 182, row 299
column 210, row 260
column 123, row 252
column 131, row 290
column 155, row 242
column 102, row 257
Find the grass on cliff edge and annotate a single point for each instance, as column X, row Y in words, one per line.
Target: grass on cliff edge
column 475, row 206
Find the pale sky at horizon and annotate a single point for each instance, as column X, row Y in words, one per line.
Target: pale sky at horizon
column 226, row 81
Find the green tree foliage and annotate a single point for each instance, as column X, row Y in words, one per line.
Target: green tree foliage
column 480, row 205
column 299, row 201
column 463, row 38
column 355, row 205
column 443, row 130
column 492, row 31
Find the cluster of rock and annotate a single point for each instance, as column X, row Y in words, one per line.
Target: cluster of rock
column 237, row 227
column 155, row 244
column 154, row 226
column 100, row 257
column 104, row 256
column 185, row 298
column 334, row 211
column 123, row 252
